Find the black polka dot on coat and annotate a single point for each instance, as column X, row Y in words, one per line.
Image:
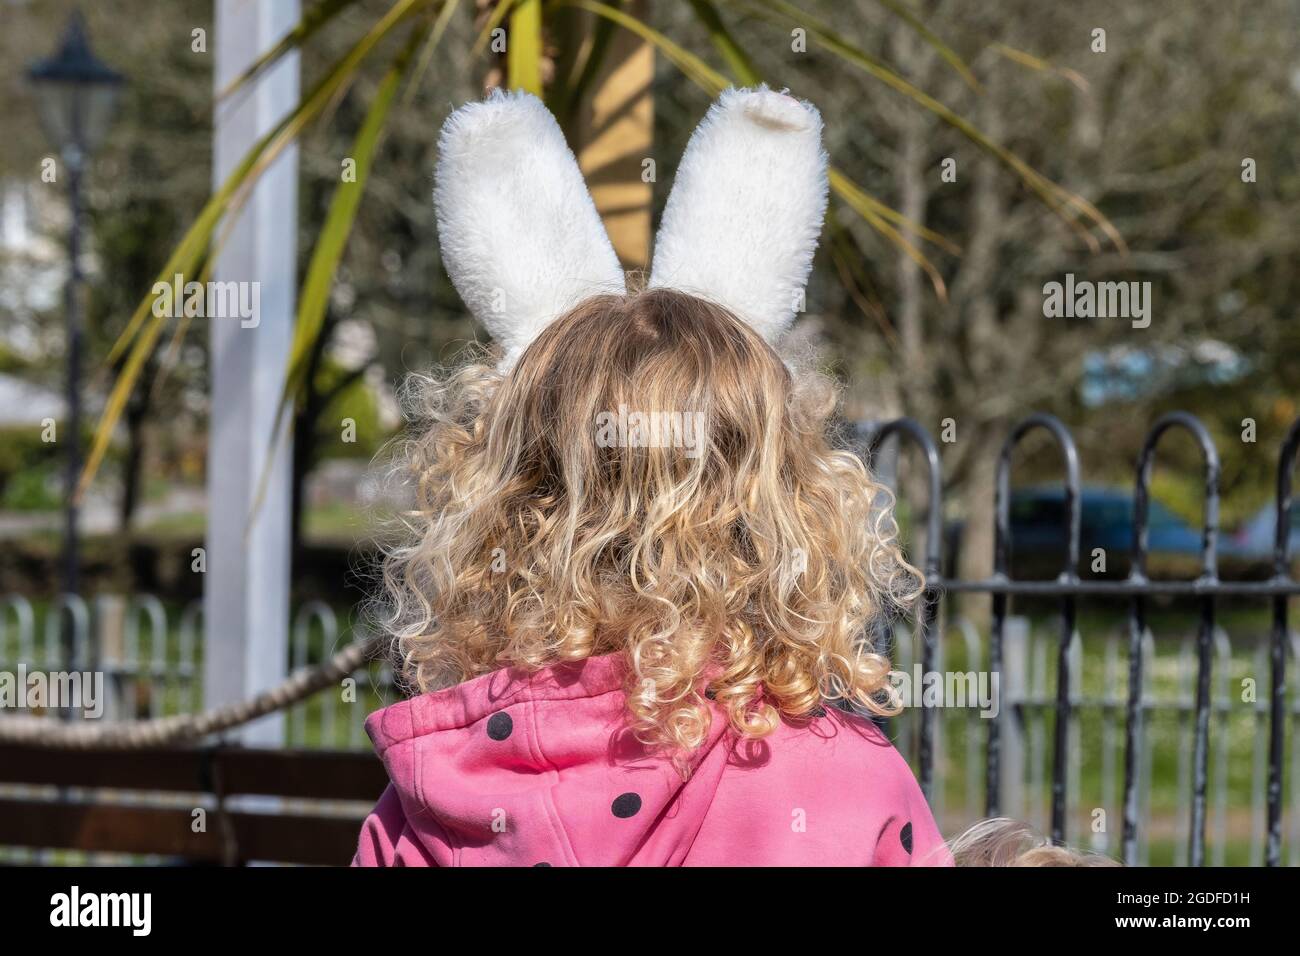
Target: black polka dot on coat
column 819, row 712
column 711, row 694
column 905, row 837
column 500, row 726
column 626, row 805
column 543, row 863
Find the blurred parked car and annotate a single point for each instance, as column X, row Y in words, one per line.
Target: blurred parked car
column 1038, row 535
column 1253, row 542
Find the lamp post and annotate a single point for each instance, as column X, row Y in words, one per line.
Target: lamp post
column 75, row 96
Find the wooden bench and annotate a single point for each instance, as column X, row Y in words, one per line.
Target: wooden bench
column 213, row 775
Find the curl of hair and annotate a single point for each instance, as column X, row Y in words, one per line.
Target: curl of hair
column 1001, row 841
column 752, row 566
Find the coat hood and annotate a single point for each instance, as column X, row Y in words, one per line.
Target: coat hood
column 539, row 769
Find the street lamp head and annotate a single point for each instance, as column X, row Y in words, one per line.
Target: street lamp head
column 75, row 94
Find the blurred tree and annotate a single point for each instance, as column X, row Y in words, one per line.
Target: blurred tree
column 935, row 309
column 409, row 31
column 1153, row 131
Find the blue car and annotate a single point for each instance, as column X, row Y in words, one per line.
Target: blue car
column 1038, row 535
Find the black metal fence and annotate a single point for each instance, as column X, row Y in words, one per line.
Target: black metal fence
column 174, row 660
column 1137, row 589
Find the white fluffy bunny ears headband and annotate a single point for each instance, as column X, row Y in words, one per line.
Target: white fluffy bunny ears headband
column 523, row 243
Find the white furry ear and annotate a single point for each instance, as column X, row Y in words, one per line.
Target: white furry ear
column 519, row 233
column 746, row 209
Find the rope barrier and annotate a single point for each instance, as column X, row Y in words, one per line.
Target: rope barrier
column 142, row 734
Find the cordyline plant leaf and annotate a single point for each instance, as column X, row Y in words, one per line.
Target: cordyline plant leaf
column 902, row 11
column 747, row 74
column 868, row 209
column 589, row 58
column 691, row 65
column 1041, row 65
column 494, row 19
column 524, row 60
column 310, row 24
column 141, row 333
column 524, row 52
column 1069, row 206
column 875, row 213
column 313, row 298
column 430, row 44
column 737, row 60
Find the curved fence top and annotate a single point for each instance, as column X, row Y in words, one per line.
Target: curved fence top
column 1142, row 493
column 874, row 433
column 1073, row 520
column 1285, row 469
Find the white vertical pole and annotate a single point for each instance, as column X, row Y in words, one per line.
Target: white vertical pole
column 246, row 590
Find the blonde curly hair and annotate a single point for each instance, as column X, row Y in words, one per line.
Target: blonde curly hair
column 750, row 569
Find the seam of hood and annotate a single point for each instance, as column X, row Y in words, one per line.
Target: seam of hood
column 546, row 795
column 390, row 725
column 464, row 704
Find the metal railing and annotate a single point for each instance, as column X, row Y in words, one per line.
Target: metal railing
column 1137, row 589
column 151, row 657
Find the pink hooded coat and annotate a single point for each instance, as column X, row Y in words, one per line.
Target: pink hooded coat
column 514, row 769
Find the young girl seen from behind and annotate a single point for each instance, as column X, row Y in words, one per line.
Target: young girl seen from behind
column 636, row 575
